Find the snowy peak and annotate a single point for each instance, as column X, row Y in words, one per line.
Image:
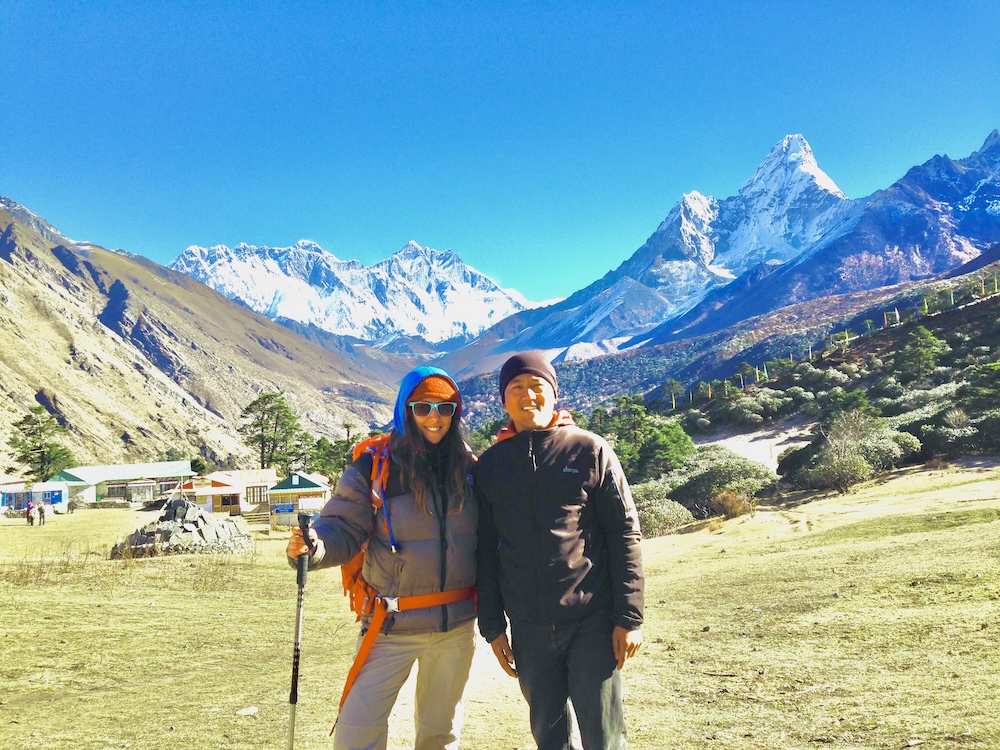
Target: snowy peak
column 789, row 168
column 992, row 142
column 786, row 207
column 418, row 291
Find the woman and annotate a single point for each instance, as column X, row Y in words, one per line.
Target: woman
column 421, row 543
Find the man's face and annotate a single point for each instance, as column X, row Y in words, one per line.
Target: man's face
column 530, row 401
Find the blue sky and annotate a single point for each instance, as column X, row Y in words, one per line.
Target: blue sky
column 543, row 142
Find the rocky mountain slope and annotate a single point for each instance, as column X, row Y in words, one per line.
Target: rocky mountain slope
column 139, row 361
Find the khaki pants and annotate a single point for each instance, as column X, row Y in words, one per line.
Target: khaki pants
column 443, row 664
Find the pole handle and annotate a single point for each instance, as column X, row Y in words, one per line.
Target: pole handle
column 304, row 520
column 302, row 561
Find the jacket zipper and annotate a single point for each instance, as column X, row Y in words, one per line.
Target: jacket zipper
column 443, row 539
column 534, row 516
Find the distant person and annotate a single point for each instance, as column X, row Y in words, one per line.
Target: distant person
column 29, row 513
column 41, row 514
column 421, row 549
column 559, row 558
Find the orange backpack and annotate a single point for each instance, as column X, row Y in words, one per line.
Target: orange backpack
column 362, row 595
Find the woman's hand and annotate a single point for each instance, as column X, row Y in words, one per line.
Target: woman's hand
column 297, row 546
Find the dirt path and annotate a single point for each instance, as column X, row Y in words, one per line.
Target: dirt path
column 764, row 446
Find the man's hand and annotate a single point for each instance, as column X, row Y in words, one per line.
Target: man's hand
column 501, row 649
column 625, row 644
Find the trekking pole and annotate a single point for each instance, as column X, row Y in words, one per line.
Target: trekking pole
column 301, row 568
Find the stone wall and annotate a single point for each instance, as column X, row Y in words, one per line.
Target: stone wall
column 184, row 528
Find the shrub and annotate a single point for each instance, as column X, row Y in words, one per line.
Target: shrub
column 714, row 469
column 833, row 378
column 988, row 431
column 956, row 418
column 800, row 395
column 730, row 504
column 880, row 450
column 849, row 369
column 947, row 441
column 658, row 514
column 793, row 460
column 889, row 386
column 837, row 473
column 909, row 445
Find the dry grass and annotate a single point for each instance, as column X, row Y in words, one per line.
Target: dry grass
column 866, row 621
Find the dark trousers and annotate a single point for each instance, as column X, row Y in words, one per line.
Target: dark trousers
column 568, row 676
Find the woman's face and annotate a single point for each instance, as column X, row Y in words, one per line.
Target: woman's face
column 433, row 427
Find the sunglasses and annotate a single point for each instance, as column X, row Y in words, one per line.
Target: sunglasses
column 444, row 409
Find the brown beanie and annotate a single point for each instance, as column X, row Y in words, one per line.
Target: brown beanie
column 434, row 386
column 528, row 362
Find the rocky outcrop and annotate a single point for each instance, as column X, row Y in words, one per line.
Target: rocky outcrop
column 184, row 528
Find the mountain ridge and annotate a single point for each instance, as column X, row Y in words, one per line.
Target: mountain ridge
column 416, row 292
column 142, row 361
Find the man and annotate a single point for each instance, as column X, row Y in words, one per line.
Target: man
column 559, row 558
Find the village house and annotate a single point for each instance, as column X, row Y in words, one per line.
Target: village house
column 233, row 492
column 17, row 492
column 298, row 491
column 137, row 484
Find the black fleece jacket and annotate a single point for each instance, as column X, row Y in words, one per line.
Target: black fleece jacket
column 558, row 532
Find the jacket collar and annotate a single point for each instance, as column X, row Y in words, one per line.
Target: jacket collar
column 562, row 418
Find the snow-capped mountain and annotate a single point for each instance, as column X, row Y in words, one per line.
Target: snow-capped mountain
column 789, row 235
column 788, row 205
column 704, row 243
column 419, row 292
column 938, row 216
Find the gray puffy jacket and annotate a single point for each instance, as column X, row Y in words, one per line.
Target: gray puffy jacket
column 436, row 550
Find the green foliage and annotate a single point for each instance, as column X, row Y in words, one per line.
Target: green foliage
column 35, row 445
column 711, row 470
column 793, row 460
column 272, row 430
column 840, row 401
column 664, row 448
column 837, row 472
column 983, row 387
column 658, row 514
column 485, row 435
column 647, row 446
column 853, row 446
column 919, row 357
column 331, row 458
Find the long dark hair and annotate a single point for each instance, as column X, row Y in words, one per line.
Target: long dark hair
column 424, row 464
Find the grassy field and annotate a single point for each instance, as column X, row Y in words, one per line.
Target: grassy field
column 865, row 621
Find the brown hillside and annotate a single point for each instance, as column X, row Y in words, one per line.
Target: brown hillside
column 140, row 361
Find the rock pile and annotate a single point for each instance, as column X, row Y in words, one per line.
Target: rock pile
column 184, row 528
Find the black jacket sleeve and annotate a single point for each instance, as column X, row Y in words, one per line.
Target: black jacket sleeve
column 620, row 523
column 492, row 622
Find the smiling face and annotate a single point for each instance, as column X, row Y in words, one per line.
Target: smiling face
column 433, row 427
column 530, row 401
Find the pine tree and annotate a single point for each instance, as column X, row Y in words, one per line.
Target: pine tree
column 272, row 430
column 34, row 445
